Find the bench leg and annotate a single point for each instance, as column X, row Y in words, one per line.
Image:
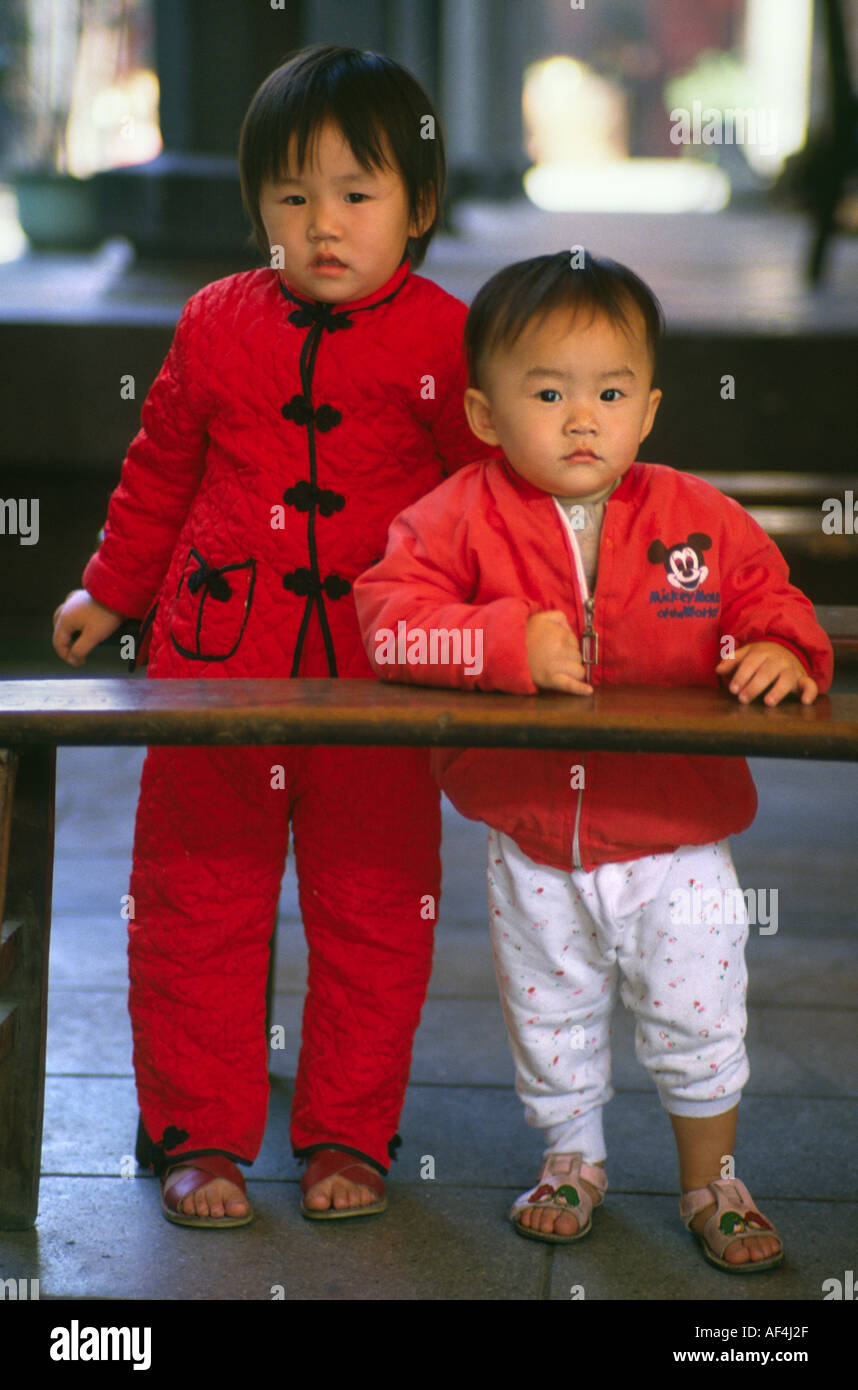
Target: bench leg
column 26, row 870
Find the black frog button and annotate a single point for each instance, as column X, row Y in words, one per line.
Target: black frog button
column 211, row 607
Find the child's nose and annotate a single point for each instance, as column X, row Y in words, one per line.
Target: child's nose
column 580, row 418
column 323, row 222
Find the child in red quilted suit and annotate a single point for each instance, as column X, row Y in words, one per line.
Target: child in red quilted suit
column 566, row 566
column 300, row 408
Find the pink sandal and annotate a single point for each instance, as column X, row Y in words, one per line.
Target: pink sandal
column 560, row 1189
column 734, row 1218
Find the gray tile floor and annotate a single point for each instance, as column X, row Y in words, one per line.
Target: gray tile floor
column 100, row 1234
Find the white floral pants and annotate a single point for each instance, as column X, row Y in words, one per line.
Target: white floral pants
column 672, row 928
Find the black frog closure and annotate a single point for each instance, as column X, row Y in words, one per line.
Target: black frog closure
column 320, row 505
column 211, row 607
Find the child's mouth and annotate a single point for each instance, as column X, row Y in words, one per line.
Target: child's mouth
column 327, row 263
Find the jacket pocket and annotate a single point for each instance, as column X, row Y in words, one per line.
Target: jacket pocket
column 211, row 608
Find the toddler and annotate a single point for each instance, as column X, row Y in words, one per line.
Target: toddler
column 300, row 408
column 567, row 565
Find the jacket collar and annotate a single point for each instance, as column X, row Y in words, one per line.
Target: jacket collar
column 625, row 489
column 370, row 301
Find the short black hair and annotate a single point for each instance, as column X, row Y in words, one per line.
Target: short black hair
column 377, row 104
column 532, row 289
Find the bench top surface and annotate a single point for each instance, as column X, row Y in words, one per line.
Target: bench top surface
column 135, row 710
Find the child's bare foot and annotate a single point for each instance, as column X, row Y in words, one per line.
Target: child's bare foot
column 702, row 1144
column 750, row 1248
column 559, row 1207
column 205, row 1191
column 216, row 1198
column 551, row 1221
column 339, row 1183
column 339, row 1193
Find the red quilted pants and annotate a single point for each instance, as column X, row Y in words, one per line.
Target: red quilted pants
column 209, row 853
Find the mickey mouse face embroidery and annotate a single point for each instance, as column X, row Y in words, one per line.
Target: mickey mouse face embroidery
column 683, row 563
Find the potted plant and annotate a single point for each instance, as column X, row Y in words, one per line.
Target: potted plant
column 43, row 43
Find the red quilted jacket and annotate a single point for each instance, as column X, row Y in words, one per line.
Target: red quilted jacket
column 680, row 566
column 277, row 443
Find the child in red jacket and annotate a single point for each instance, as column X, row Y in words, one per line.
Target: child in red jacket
column 300, row 408
column 564, row 566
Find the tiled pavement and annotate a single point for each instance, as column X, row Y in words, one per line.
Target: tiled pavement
column 101, row 1236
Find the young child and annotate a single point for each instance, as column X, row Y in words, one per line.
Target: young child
column 564, row 566
column 300, row 408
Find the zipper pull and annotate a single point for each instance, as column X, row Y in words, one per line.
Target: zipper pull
column 590, row 639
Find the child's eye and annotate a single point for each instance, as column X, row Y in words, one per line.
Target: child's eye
column 611, row 393
column 549, row 394
column 359, row 196
column 293, row 199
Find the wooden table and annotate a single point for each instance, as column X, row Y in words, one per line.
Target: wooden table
column 37, row 715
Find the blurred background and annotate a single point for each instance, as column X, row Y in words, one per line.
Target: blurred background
column 712, row 146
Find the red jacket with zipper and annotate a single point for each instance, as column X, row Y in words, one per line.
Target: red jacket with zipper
column 680, row 567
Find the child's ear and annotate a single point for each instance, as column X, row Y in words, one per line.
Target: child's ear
column 649, row 418
column 427, row 211
column 479, row 412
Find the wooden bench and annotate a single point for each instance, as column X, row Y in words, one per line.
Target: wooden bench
column 789, row 506
column 37, row 715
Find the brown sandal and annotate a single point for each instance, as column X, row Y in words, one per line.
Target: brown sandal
column 197, row 1172
column 337, row 1163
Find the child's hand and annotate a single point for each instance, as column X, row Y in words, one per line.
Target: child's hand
column 762, row 664
column 554, row 655
column 90, row 620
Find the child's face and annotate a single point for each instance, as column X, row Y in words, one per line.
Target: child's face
column 570, row 402
column 343, row 229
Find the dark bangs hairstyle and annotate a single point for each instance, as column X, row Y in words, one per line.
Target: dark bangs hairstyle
column 530, row 290
column 377, row 105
